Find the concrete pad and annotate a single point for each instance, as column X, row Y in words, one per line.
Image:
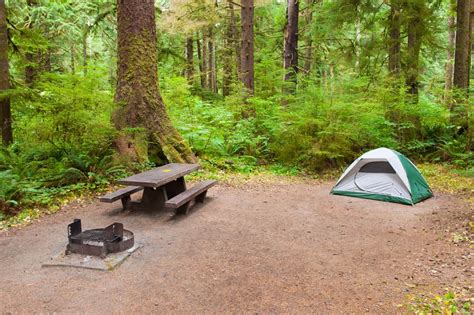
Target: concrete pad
column 108, row 263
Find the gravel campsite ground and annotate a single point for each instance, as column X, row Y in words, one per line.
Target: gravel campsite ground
column 287, row 247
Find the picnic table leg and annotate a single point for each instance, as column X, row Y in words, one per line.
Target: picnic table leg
column 152, row 199
column 174, row 188
column 183, row 209
column 200, row 198
column 126, row 202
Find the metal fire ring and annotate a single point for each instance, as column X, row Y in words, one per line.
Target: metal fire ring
column 98, row 242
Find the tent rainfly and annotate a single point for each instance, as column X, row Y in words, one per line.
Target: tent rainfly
column 383, row 174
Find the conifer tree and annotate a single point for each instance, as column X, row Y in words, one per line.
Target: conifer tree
column 137, row 86
column 5, row 110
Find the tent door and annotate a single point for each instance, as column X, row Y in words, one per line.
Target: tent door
column 379, row 177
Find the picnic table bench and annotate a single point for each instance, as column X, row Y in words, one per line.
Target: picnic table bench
column 163, row 187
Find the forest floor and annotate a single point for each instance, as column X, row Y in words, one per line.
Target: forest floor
column 286, row 246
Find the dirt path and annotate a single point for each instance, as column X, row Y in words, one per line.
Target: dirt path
column 264, row 248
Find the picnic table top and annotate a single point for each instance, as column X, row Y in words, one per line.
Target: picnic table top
column 159, row 176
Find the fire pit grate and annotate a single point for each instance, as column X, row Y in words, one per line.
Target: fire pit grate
column 98, row 242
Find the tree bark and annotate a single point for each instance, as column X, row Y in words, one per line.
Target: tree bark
column 231, row 52
column 450, row 52
column 227, row 57
column 394, row 40
column 471, row 28
column 212, row 80
column 5, row 110
column 308, row 55
column 190, row 60
column 137, row 86
column 205, row 61
column 357, row 37
column 234, row 35
column 290, row 55
column 414, row 47
column 247, row 47
column 202, row 76
column 32, row 58
column 461, row 56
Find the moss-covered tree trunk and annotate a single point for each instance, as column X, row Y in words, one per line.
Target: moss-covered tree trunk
column 308, row 54
column 246, row 53
column 202, row 76
column 415, row 34
column 448, row 78
column 394, row 40
column 212, row 77
column 190, row 60
column 5, row 111
column 231, row 52
column 462, row 68
column 205, row 59
column 461, row 57
column 137, row 87
column 32, row 58
column 235, row 35
column 227, row 59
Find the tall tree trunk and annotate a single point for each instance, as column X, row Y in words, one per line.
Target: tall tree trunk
column 210, row 61
column 471, row 29
column 190, row 60
column 211, row 79
column 246, row 54
column 234, row 35
column 308, row 55
column 394, row 41
column 5, row 110
column 32, row 57
column 231, row 53
column 227, row 56
column 461, row 56
column 227, row 72
column 470, row 130
column 205, row 60
column 290, row 54
column 357, row 37
column 202, row 76
column 137, row 86
column 414, row 47
column 448, row 85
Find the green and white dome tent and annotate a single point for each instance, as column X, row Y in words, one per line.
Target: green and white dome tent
column 386, row 175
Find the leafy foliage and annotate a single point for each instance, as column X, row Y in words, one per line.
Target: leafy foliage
column 346, row 101
column 63, row 143
column 447, row 303
column 320, row 128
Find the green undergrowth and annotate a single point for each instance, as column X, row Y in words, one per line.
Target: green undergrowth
column 64, row 138
column 442, row 304
column 37, row 200
column 268, row 174
column 448, row 179
column 55, row 201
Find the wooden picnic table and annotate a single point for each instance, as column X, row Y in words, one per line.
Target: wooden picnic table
column 160, row 176
column 162, row 187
